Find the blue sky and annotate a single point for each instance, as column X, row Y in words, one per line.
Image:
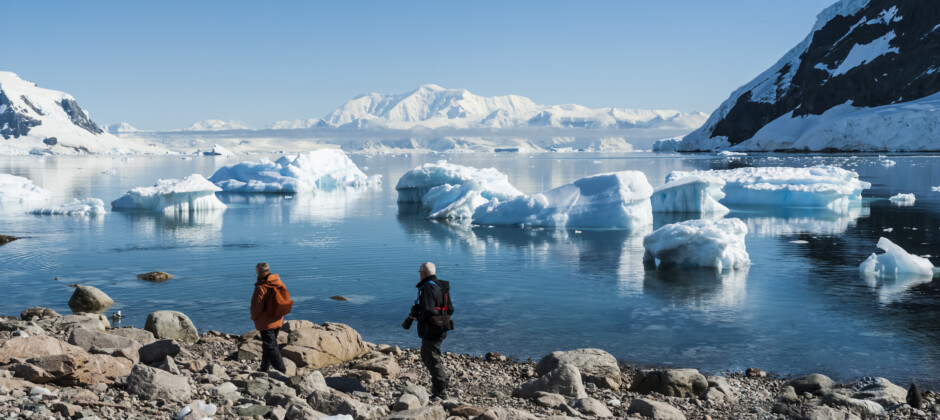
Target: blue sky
column 166, row 64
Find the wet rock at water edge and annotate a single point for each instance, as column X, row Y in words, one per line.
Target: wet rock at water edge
column 4, row 239
column 155, row 276
column 340, row 298
column 89, row 299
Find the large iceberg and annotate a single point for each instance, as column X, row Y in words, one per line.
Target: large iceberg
column 691, row 194
column 16, row 189
column 817, row 187
column 414, row 184
column 311, row 171
column 611, row 200
column 191, row 194
column 698, row 243
column 89, row 207
column 895, row 261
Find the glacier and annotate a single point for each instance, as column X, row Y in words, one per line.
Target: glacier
column 691, row 194
column 191, row 194
column 618, row 200
column 698, row 243
column 306, row 172
column 17, row 189
column 88, row 207
column 894, row 261
column 416, row 183
column 827, row 187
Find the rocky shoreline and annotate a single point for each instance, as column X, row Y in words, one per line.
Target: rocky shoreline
column 77, row 366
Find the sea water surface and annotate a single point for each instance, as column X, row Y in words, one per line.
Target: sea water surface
column 801, row 307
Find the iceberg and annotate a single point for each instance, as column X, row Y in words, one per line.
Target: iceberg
column 453, row 202
column 191, row 194
column 895, row 261
column 16, row 189
column 306, row 172
column 698, row 243
column 612, row 200
column 218, row 151
column 89, row 207
column 668, row 145
column 903, row 199
column 821, row 186
column 416, row 183
column 691, row 194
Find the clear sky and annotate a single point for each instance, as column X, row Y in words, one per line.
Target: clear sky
column 166, row 64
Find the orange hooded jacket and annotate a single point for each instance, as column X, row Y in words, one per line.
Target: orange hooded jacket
column 263, row 316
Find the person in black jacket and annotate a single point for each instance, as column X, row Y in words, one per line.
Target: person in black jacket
column 433, row 301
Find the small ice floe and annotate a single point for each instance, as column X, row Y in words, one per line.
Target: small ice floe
column 16, row 189
column 799, row 241
column 619, row 200
column 889, row 230
column 828, row 187
column 935, row 189
column 894, row 261
column 698, row 243
column 191, row 194
column 691, row 194
column 888, row 163
column 306, row 172
column 903, row 199
column 416, row 183
column 730, row 153
column 89, row 207
column 218, row 150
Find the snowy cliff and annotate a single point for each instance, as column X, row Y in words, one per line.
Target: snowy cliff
column 864, row 79
column 41, row 121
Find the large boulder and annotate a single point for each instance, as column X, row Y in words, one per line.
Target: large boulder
column 35, row 346
column 670, row 382
column 814, row 383
column 38, row 312
column 864, row 408
column 159, row 351
column 74, row 369
column 91, row 321
column 171, row 325
column 149, row 383
column 87, row 339
column 334, row 404
column 143, row 337
column 655, row 410
column 314, row 381
column 597, row 366
column 89, row 299
column 564, row 380
column 879, row 390
column 318, row 346
column 387, row 366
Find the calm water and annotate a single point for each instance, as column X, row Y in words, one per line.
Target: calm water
column 801, row 307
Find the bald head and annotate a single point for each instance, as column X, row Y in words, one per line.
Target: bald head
column 427, row 269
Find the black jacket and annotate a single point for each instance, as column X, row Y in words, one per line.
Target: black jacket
column 431, row 302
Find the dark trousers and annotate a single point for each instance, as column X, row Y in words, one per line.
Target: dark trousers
column 431, row 356
column 270, row 352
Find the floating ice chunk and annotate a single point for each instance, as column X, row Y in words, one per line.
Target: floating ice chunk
column 668, row 145
column 453, row 202
column 89, row 207
column 311, row 171
column 903, row 199
column 730, row 153
column 888, row 163
column 16, row 189
column 692, row 194
column 822, row 186
column 414, row 184
column 894, row 261
column 612, row 200
column 935, row 189
column 218, row 151
column 191, row 194
column 698, row 243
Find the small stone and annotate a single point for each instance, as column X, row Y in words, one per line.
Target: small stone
column 252, row 410
column 340, row 298
column 155, row 276
column 494, row 357
column 755, row 373
column 406, row 402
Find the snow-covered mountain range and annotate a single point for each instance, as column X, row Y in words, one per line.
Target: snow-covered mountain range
column 214, row 125
column 866, row 78
column 434, row 107
column 39, row 121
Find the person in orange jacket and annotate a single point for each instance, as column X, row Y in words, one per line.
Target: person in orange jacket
column 269, row 303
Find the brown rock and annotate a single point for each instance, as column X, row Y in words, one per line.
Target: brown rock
column 323, row 345
column 89, row 299
column 38, row 312
column 35, row 346
column 155, row 276
column 32, row 373
column 468, row 411
column 5, row 239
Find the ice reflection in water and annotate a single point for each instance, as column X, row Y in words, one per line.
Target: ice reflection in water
column 703, row 289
